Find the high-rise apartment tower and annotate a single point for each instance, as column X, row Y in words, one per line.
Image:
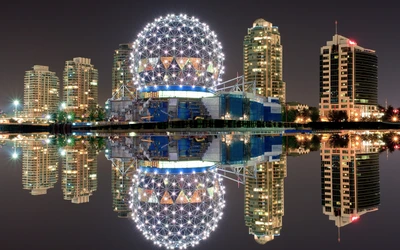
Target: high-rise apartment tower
column 121, row 73
column 348, row 79
column 262, row 54
column 80, row 90
column 41, row 92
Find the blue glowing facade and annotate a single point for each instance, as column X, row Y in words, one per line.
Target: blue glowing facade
column 177, row 64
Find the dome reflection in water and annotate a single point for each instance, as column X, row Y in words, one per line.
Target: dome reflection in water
column 177, row 208
column 176, row 197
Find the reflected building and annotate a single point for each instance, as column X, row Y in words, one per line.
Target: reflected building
column 39, row 165
column 177, row 192
column 350, row 179
column 176, row 198
column 264, row 194
column 79, row 172
column 121, row 182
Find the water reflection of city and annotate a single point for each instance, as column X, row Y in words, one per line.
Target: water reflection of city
column 173, row 188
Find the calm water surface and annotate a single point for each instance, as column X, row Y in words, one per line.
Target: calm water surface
column 62, row 194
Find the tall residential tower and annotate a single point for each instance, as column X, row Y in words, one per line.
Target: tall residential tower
column 41, row 92
column 121, row 73
column 348, row 79
column 80, row 86
column 262, row 54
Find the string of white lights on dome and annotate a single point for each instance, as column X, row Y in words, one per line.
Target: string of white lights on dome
column 177, row 210
column 177, row 50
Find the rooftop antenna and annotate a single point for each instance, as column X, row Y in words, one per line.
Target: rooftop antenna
column 340, row 217
column 337, row 38
column 336, row 27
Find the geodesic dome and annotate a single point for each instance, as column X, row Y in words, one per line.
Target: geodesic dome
column 177, row 210
column 177, row 50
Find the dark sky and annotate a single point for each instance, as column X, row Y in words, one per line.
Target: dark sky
column 49, row 33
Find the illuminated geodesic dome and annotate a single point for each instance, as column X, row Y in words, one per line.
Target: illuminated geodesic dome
column 177, row 210
column 179, row 51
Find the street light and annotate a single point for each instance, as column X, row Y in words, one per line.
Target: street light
column 16, row 103
column 63, row 105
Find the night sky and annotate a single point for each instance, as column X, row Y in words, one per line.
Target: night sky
column 49, row 33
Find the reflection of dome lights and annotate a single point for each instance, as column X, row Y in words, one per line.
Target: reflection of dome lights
column 175, row 50
column 177, row 210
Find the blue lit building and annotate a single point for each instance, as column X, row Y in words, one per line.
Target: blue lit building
column 172, row 174
column 177, row 63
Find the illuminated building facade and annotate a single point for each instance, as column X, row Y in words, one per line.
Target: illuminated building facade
column 348, row 79
column 39, row 166
column 177, row 195
column 121, row 72
column 121, row 182
column 41, row 92
column 263, row 59
column 264, row 197
column 80, row 89
column 79, row 173
column 350, row 179
column 177, row 64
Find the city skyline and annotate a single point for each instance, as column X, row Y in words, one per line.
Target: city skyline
column 301, row 56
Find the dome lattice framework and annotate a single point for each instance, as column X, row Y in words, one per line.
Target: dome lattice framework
column 177, row 210
column 177, row 50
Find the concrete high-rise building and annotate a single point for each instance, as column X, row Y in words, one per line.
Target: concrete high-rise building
column 264, row 200
column 121, row 182
column 263, row 59
column 39, row 166
column 121, row 73
column 41, row 92
column 348, row 79
column 80, row 90
column 79, row 173
column 350, row 178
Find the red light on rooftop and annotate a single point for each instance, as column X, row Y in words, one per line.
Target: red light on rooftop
column 352, row 42
column 353, row 218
